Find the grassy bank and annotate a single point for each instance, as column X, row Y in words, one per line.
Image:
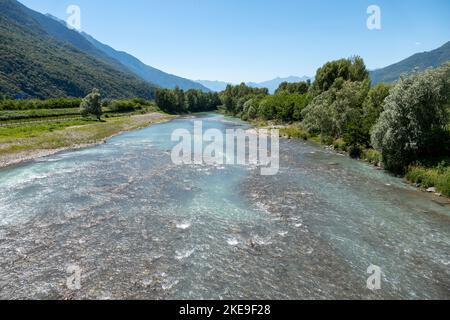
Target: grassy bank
column 424, row 176
column 23, row 142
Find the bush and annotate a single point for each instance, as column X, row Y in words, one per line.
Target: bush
column 123, row 106
column 372, row 156
column 338, row 111
column 355, row 151
column 294, row 131
column 62, row 103
column 294, row 87
column 430, row 177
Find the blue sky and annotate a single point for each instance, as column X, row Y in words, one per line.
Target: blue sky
column 257, row 40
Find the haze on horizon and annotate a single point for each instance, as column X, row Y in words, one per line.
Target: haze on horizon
column 235, row 41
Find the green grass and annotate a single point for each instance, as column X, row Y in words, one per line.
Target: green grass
column 12, row 133
column 37, row 113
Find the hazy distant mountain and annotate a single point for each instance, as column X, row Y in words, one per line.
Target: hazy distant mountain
column 41, row 58
column 419, row 61
column 273, row 85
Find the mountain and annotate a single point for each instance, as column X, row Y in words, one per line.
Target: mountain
column 121, row 60
column 40, row 58
column 216, row 86
column 419, row 61
column 273, row 85
column 144, row 71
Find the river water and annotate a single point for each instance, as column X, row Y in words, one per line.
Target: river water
column 137, row 226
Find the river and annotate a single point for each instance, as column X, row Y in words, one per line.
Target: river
column 139, row 227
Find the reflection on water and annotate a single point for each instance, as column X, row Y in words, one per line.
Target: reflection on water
column 140, row 227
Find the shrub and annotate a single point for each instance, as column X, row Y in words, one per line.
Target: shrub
column 431, row 177
column 372, row 156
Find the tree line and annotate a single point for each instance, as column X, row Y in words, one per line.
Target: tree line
column 405, row 122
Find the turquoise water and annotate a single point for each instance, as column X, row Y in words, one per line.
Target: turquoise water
column 141, row 227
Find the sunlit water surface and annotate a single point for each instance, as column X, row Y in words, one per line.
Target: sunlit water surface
column 141, row 227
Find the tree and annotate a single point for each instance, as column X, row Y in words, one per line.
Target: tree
column 91, row 104
column 415, row 119
column 294, row 87
column 178, row 101
column 352, row 69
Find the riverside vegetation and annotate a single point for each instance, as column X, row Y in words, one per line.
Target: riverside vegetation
column 403, row 127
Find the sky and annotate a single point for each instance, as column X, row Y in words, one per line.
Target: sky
column 258, row 40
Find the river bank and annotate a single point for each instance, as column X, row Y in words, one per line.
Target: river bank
column 31, row 142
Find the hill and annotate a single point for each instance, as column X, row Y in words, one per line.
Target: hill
column 273, row 84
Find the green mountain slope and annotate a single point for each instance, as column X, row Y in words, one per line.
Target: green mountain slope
column 35, row 64
column 419, row 61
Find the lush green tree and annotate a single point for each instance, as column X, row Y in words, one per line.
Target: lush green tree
column 166, row 100
column 338, row 111
column 415, row 119
column 178, row 101
column 91, row 104
column 373, row 106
